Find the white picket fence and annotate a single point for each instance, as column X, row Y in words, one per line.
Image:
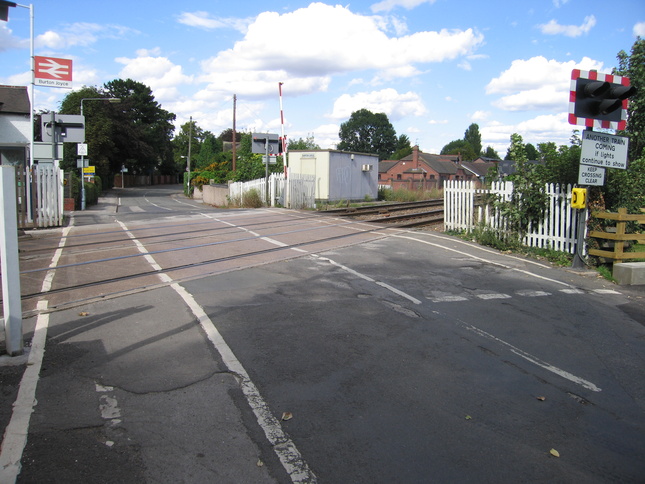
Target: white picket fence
column 47, row 195
column 463, row 210
column 292, row 191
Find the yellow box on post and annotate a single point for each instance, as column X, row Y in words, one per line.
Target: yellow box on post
column 579, row 198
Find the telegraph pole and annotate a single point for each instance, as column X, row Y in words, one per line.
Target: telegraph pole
column 234, row 134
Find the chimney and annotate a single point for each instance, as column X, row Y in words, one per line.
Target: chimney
column 415, row 157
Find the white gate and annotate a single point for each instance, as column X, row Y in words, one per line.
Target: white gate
column 292, row 191
column 47, row 195
column 464, row 209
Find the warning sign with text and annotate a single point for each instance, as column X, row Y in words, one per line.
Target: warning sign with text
column 591, row 175
column 606, row 150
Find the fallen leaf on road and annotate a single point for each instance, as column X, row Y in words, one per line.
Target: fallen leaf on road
column 555, row 453
column 468, row 417
column 541, row 398
column 259, row 463
column 287, row 416
column 83, row 313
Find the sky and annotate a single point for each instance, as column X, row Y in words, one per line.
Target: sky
column 432, row 66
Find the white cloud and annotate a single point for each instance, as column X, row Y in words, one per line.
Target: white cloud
column 158, row 73
column 81, row 34
column 639, row 29
column 387, row 101
column 325, row 135
column 205, row 21
column 541, row 129
column 8, row 41
column 553, row 28
column 438, row 121
column 291, row 44
column 559, row 3
column 480, row 116
column 536, row 83
column 387, row 5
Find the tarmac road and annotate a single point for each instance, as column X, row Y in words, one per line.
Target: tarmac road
column 394, row 356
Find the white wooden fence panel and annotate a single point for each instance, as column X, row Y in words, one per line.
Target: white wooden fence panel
column 48, row 203
column 557, row 230
column 294, row 191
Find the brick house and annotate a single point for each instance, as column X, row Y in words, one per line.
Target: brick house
column 422, row 171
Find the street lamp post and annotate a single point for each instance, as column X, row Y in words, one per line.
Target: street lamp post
column 113, row 100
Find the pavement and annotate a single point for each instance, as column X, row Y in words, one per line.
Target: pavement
column 126, row 390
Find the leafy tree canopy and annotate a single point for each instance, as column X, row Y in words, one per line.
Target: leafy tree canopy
column 491, row 153
column 633, row 66
column 403, row 148
column 473, row 136
column 367, row 132
column 460, row 147
column 303, row 144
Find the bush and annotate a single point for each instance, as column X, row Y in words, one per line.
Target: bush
column 91, row 194
column 252, row 199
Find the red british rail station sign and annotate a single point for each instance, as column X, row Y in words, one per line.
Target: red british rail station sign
column 52, row 72
column 598, row 100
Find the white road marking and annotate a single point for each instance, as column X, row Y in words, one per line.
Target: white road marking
column 492, row 296
column 15, row 435
column 605, row 291
column 533, row 359
column 449, row 298
column 368, row 278
column 285, row 449
column 532, row 293
column 572, row 290
column 488, row 261
column 145, row 197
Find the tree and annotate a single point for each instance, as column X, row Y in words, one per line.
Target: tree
column 633, row 66
column 559, row 164
column 403, row 148
column 189, row 131
column 491, row 153
column 366, row 132
column 303, row 144
column 143, row 130
column 474, row 138
column 460, row 147
column 528, row 201
column 101, row 124
column 531, row 152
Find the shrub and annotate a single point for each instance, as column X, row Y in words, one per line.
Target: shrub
column 252, row 199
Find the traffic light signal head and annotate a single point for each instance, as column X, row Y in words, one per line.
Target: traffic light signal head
column 4, row 9
column 599, row 100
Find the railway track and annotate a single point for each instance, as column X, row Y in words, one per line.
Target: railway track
column 403, row 214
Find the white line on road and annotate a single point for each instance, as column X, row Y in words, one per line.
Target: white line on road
column 15, row 435
column 285, row 449
column 527, row 356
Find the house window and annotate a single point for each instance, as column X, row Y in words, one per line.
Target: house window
column 398, row 177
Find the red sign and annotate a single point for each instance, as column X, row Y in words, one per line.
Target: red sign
column 52, row 72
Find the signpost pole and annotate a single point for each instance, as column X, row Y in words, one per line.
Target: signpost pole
column 266, row 170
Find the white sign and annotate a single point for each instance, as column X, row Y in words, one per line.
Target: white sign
column 81, row 149
column 591, row 175
column 606, row 150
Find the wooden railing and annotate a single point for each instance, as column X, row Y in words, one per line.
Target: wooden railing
column 619, row 238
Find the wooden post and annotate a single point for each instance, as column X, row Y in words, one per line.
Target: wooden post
column 619, row 244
